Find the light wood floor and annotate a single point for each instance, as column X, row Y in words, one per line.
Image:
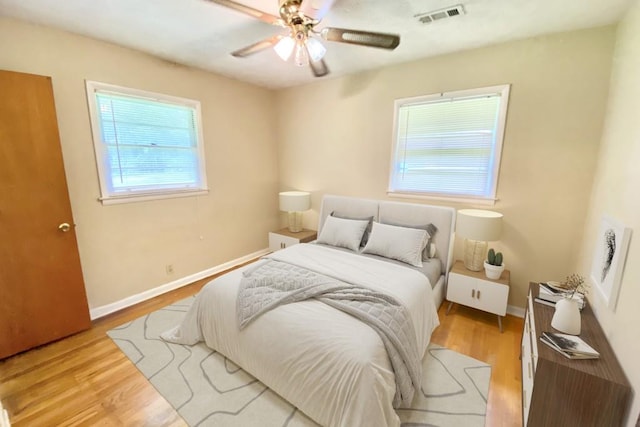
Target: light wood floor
column 476, row 334
column 86, row 380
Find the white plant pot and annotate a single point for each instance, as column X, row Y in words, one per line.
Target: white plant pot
column 493, row 272
column 567, row 317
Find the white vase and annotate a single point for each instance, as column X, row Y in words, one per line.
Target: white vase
column 567, row 317
column 493, row 272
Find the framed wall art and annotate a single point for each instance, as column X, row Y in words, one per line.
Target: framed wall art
column 609, row 258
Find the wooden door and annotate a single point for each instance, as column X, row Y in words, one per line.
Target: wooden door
column 42, row 294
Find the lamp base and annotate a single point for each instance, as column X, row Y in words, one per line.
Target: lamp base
column 474, row 254
column 295, row 222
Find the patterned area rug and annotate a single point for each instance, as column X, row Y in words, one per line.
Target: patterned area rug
column 207, row 389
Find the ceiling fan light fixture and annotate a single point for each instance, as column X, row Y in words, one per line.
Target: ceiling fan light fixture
column 284, row 48
column 301, row 56
column 315, row 49
column 300, row 18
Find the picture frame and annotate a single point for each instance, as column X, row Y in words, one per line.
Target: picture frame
column 610, row 254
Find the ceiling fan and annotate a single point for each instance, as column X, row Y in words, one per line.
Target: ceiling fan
column 299, row 18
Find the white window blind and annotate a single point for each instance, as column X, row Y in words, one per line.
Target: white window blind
column 146, row 143
column 449, row 144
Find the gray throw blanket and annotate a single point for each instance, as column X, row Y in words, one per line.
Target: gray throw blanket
column 274, row 283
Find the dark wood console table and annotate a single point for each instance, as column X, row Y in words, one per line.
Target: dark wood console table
column 557, row 391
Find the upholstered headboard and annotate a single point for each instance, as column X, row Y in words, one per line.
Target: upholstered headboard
column 398, row 213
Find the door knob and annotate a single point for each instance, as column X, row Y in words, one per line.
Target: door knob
column 64, row 227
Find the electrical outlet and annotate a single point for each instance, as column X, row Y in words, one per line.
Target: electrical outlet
column 169, row 269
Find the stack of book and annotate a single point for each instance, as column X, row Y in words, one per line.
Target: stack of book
column 549, row 294
column 569, row 346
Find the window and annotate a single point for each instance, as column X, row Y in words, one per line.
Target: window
column 449, row 145
column 147, row 145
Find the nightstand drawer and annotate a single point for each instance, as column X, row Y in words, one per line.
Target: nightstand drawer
column 461, row 289
column 477, row 293
column 284, row 238
column 278, row 241
column 474, row 289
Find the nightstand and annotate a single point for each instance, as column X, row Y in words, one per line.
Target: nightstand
column 284, row 238
column 473, row 289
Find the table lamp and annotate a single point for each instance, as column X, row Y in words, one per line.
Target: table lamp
column 295, row 202
column 477, row 227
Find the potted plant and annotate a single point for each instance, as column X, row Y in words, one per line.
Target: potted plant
column 493, row 266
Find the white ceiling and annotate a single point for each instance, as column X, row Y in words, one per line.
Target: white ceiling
column 202, row 34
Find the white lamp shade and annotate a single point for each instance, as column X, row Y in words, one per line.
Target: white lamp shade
column 295, row 201
column 284, row 48
column 316, row 49
column 476, row 224
column 301, row 57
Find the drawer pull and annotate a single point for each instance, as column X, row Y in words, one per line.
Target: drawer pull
column 478, row 294
column 473, row 293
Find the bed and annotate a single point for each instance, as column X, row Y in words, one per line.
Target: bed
column 326, row 362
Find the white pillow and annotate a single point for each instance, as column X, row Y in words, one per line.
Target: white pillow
column 344, row 233
column 430, row 248
column 399, row 243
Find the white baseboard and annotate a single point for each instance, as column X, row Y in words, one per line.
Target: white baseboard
column 4, row 417
column 101, row 311
column 515, row 311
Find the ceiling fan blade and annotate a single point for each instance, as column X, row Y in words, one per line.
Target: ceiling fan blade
column 319, row 68
column 362, row 38
column 258, row 14
column 316, row 9
column 256, row 47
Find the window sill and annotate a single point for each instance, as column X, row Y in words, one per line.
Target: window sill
column 454, row 199
column 115, row 200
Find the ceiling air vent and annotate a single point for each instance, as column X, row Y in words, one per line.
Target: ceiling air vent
column 447, row 12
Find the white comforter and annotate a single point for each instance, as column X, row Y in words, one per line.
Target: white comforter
column 330, row 365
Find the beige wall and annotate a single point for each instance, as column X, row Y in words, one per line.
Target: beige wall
column 335, row 137
column 124, row 248
column 615, row 193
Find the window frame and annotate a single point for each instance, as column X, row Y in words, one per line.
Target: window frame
column 490, row 197
column 108, row 195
